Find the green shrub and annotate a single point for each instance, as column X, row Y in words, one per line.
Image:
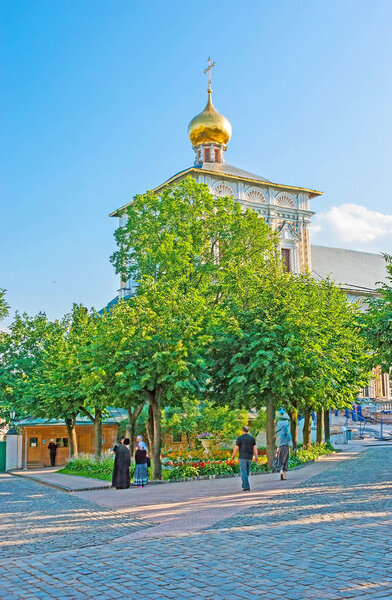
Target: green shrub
column 258, row 467
column 90, row 466
column 304, row 455
column 183, row 471
column 215, row 468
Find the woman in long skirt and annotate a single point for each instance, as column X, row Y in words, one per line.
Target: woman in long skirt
column 141, row 469
column 283, row 451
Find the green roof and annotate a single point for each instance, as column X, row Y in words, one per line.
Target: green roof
column 114, row 416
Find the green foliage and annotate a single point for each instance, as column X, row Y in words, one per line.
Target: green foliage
column 225, row 423
column 378, row 323
column 187, row 237
column 90, row 466
column 260, row 467
column 216, row 468
column 21, row 349
column 195, row 417
column 186, row 249
column 4, row 307
column 259, row 423
column 305, row 455
column 183, row 419
column 183, row 471
column 301, row 340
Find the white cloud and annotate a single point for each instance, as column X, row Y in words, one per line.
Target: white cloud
column 353, row 226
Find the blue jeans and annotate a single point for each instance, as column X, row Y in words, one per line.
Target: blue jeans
column 244, row 470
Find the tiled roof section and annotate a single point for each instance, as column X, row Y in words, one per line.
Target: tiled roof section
column 352, row 270
column 226, row 169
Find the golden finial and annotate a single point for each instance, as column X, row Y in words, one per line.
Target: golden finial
column 208, row 70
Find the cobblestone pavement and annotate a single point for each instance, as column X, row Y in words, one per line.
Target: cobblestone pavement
column 36, row 518
column 329, row 539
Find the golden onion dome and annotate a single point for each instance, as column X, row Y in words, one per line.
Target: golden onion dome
column 209, row 126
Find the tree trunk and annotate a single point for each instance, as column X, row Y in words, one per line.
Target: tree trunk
column 155, row 403
column 293, row 414
column 327, row 428
column 73, row 440
column 98, row 432
column 271, row 431
column 320, row 426
column 132, row 418
column 307, row 428
column 150, row 426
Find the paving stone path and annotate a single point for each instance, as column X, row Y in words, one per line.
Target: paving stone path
column 329, row 539
column 35, row 519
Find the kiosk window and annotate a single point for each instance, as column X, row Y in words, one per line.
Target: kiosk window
column 62, row 442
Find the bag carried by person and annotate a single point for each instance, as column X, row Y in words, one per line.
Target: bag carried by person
column 148, row 459
column 275, row 464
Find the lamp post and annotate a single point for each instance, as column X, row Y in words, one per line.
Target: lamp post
column 12, row 430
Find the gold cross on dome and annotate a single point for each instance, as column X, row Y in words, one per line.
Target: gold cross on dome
column 208, row 70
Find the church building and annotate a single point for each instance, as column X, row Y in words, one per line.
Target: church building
column 285, row 208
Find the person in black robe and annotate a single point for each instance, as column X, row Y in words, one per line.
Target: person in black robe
column 118, row 444
column 122, row 462
column 52, row 447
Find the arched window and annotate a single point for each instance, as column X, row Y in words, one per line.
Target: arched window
column 223, row 190
column 255, row 196
column 285, row 202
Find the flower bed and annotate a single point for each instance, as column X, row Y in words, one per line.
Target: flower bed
column 182, row 469
column 181, row 465
column 199, row 454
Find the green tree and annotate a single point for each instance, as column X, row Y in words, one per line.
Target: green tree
column 56, row 384
column 163, row 355
column 191, row 239
column 187, row 250
column 4, row 307
column 298, row 346
column 20, row 351
column 183, row 419
column 108, row 374
column 222, row 421
column 43, row 370
column 378, row 323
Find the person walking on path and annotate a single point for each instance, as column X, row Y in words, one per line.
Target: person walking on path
column 122, row 462
column 283, row 451
column 246, row 446
column 52, row 447
column 141, row 470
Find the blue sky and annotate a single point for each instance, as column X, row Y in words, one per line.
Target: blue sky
column 95, row 101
